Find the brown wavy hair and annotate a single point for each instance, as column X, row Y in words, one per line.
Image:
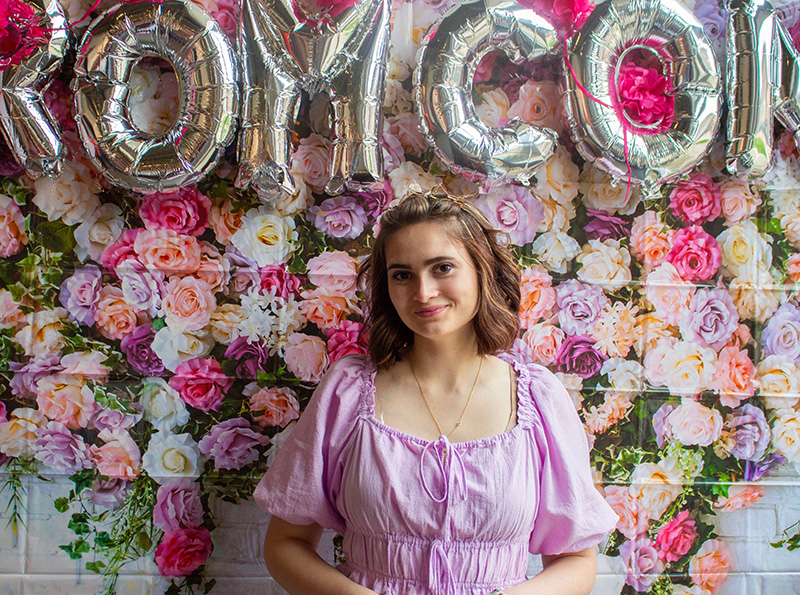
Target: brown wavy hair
column 497, row 321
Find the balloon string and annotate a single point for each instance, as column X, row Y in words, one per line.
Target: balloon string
column 88, row 12
column 586, row 92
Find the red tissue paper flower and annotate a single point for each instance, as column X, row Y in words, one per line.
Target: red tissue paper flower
column 20, row 33
column 567, row 15
column 644, row 94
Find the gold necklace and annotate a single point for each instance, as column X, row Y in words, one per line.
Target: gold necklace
column 428, row 405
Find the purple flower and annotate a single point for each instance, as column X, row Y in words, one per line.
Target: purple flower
column 711, row 319
column 749, row 432
column 604, row 226
column 579, row 306
column 781, row 336
column 713, row 18
column 644, row 565
column 232, row 444
column 766, row 466
column 138, row 348
column 250, row 358
column 577, row 355
column 512, row 209
column 178, row 505
column 520, row 353
column 9, row 166
column 61, row 450
column 23, row 383
column 80, row 292
column 374, row 202
column 142, row 287
column 244, row 272
column 109, row 492
column 114, row 419
column 340, row 217
column 660, row 424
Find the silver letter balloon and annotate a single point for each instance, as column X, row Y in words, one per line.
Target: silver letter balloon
column 450, row 54
column 293, row 45
column 602, row 133
column 191, row 41
column 30, row 129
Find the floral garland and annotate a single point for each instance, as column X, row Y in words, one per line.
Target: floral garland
column 158, row 349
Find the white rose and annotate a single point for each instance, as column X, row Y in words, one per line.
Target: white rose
column 555, row 250
column 784, row 201
column 605, row 264
column 173, row 348
column 786, row 434
column 755, row 295
column 265, row 237
column 225, row 322
column 601, row 192
column 656, row 486
column 290, row 205
column 172, row 455
column 624, row 376
column 397, row 99
column 42, row 332
column 558, row 178
column 154, row 99
column 744, row 248
column 778, row 381
column 493, row 110
column 18, row 434
column 409, row 178
column 163, row 406
column 688, row 368
column 557, row 216
column 70, row 197
column 99, row 231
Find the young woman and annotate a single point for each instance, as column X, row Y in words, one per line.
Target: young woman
column 440, row 461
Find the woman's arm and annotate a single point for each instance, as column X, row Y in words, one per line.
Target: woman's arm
column 565, row 574
column 290, row 552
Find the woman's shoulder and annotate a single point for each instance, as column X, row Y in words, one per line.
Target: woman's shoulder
column 345, row 382
column 541, row 391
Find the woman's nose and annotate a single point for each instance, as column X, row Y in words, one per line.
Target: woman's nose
column 426, row 288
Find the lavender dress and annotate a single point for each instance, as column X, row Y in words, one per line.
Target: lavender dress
column 417, row 522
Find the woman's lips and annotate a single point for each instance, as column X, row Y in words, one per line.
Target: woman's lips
column 428, row 312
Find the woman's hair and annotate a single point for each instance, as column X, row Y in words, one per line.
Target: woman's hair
column 497, row 321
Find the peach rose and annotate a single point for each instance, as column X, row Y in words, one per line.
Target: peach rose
column 405, row 127
column 225, row 321
column 12, row 228
column 188, row 304
column 306, row 356
column 334, row 271
column 539, row 103
column 168, row 251
column 710, row 566
column 115, row 318
column 656, row 485
column 65, row 399
column 18, row 434
column 538, row 296
column 42, row 332
column 739, row 202
column 214, row 268
column 793, row 268
column 654, row 361
column 632, row 518
column 10, row 314
column 695, row 424
column 734, row 376
column 279, row 405
column 778, row 381
column 310, row 161
column 669, row 293
column 651, row 239
column 119, row 457
column 225, row 222
column 613, row 408
column 650, row 328
column 739, row 496
column 544, row 339
column 324, row 309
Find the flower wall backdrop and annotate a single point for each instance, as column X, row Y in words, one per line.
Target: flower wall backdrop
column 157, row 348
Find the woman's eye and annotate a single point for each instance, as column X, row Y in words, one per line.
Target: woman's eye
column 444, row 268
column 400, row 276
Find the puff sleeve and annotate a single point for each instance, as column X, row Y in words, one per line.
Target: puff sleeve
column 302, row 484
column 572, row 515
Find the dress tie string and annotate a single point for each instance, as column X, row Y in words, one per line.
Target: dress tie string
column 439, row 571
column 444, row 455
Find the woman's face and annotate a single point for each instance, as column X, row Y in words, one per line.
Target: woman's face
column 433, row 283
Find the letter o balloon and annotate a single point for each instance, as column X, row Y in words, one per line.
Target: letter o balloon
column 194, row 44
column 602, row 133
column 451, row 52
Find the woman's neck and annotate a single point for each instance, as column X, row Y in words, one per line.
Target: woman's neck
column 444, row 360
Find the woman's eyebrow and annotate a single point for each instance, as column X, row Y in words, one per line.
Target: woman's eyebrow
column 430, row 261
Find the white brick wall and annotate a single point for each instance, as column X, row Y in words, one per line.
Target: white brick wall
column 30, row 562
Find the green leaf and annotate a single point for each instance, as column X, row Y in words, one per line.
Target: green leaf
column 96, row 567
column 82, row 480
column 55, row 236
column 158, row 324
column 103, row 540
column 210, row 585
column 78, row 524
column 143, row 541
column 61, row 504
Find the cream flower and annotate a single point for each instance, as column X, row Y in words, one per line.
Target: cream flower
column 42, row 333
column 163, row 406
column 409, row 178
column 656, row 485
column 557, row 216
column 694, row 424
column 669, row 294
column 18, row 434
column 688, row 368
column 744, row 249
column 601, row 192
column 559, row 177
column 493, row 111
column 555, row 250
column 173, row 347
column 786, row 434
column 266, row 237
column 225, row 321
column 100, row 230
column 755, row 295
column 71, row 197
column 778, row 381
column 172, row 455
column 605, row 264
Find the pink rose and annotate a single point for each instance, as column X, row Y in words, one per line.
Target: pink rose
column 740, row 496
column 694, row 424
column 324, row 309
column 734, row 376
column 696, row 200
column 642, row 561
column 306, row 356
column 201, row 383
column 168, row 251
column 310, row 161
column 119, row 457
column 563, row 14
column 644, row 94
column 188, row 304
column 793, row 268
column 651, row 240
column 544, row 341
column 183, row 551
column 738, row 201
column 115, row 318
column 710, row 566
column 405, row 127
column 334, row 271
column 695, row 254
column 178, row 505
column 676, row 537
column 279, row 405
column 120, row 251
column 184, row 211
column 12, row 228
column 633, row 518
column 345, row 339
column 224, row 223
column 275, row 279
